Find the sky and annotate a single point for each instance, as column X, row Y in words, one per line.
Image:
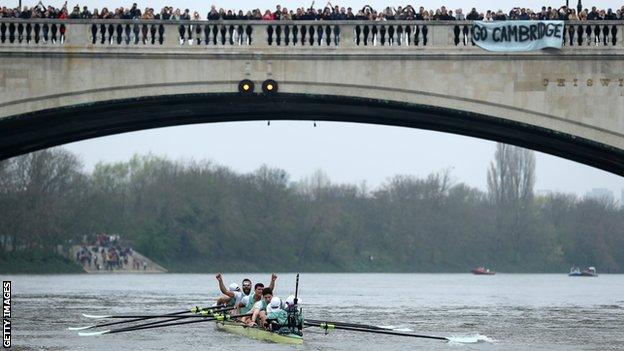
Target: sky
column 348, row 153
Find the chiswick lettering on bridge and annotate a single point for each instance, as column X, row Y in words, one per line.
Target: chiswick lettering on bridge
column 341, row 34
column 589, row 82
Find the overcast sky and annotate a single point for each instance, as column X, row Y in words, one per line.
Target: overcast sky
column 346, row 152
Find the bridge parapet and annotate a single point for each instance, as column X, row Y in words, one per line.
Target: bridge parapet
column 241, row 35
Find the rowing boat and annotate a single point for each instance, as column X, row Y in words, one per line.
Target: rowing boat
column 289, row 332
column 258, row 334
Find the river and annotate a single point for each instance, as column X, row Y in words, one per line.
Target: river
column 504, row 312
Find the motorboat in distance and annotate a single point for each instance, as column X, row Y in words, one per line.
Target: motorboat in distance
column 587, row 272
column 482, row 271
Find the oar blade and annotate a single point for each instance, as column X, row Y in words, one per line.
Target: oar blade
column 95, row 316
column 329, row 326
column 470, row 339
column 82, row 328
column 396, row 328
column 94, row 333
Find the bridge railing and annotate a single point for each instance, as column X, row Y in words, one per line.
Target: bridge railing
column 388, row 35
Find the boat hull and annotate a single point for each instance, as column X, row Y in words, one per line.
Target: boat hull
column 482, row 272
column 586, row 273
column 258, row 334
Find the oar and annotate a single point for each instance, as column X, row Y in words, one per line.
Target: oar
column 192, row 310
column 296, row 300
column 160, row 324
column 137, row 318
column 344, row 324
column 328, row 326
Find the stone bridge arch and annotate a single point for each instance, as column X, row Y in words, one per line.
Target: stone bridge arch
column 78, row 122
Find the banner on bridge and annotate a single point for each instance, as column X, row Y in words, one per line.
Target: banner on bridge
column 518, row 35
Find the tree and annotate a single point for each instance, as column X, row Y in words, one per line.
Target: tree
column 40, row 193
column 193, row 216
column 510, row 180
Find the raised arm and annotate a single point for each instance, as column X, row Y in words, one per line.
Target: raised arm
column 222, row 286
column 273, row 279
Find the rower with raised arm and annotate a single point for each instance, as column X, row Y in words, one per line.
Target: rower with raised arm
column 228, row 294
column 231, row 296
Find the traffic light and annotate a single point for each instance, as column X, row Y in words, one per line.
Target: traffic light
column 269, row 86
column 246, row 86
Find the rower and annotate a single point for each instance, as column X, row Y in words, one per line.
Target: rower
column 260, row 307
column 233, row 297
column 250, row 302
column 290, row 302
column 276, row 315
column 246, row 286
column 294, row 315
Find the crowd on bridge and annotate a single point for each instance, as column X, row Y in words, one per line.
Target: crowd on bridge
column 327, row 13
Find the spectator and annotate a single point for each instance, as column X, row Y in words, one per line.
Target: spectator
column 268, row 16
column 176, row 15
column 350, row 15
column 213, row 15
column 86, row 13
column 186, row 15
column 459, row 15
column 75, row 14
column 277, row 15
column 473, row 15
column 593, row 15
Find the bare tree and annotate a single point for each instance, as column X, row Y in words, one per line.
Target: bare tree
column 511, row 178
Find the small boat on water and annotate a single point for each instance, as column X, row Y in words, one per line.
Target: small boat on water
column 587, row 272
column 259, row 334
column 482, row 271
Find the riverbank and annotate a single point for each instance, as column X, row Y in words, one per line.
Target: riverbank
column 36, row 263
column 55, row 264
column 374, row 265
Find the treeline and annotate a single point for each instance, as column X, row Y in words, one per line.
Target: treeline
column 202, row 217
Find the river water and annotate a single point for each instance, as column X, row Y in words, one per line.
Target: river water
column 504, row 312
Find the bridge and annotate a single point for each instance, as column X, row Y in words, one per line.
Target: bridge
column 64, row 81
